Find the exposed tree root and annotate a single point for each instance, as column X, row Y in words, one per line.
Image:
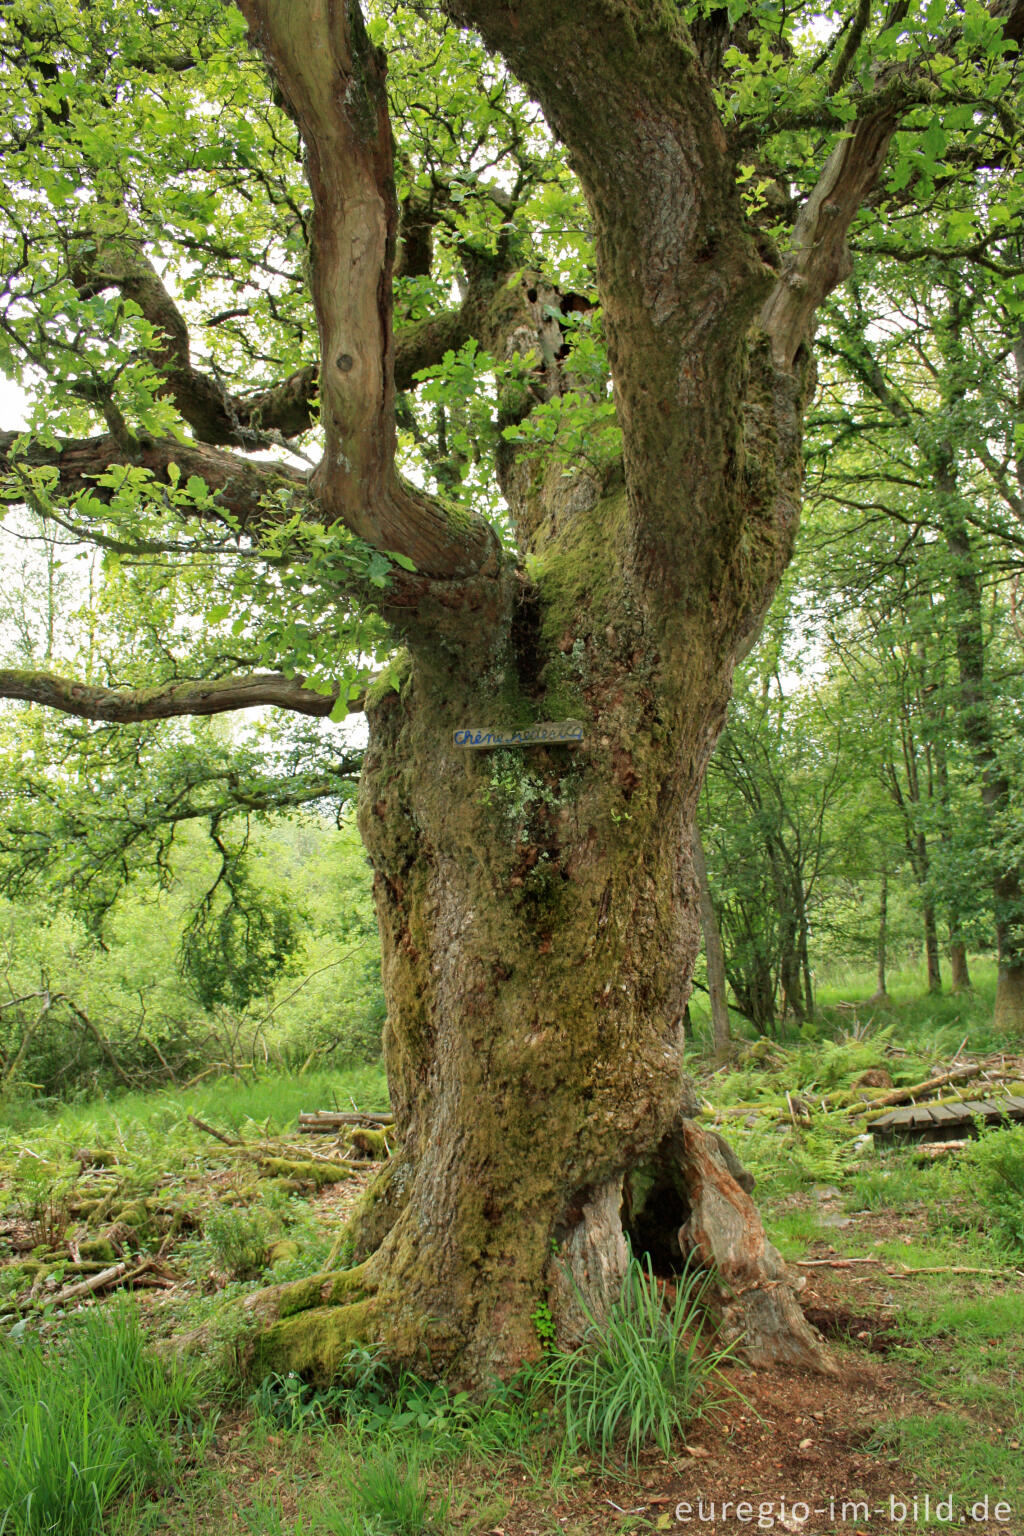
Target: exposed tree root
column 688, row 1204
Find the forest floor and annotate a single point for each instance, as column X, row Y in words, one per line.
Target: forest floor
column 913, row 1269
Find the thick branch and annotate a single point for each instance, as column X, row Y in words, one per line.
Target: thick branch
column 215, row 416
column 818, row 259
column 679, row 274
column 129, row 705
column 332, row 80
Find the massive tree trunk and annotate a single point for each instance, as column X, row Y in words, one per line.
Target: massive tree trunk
column 540, row 917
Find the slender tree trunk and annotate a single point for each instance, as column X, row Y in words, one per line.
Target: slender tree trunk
column 713, row 953
column 960, row 976
column 928, row 918
column 803, row 942
column 881, row 996
column 976, row 707
column 931, row 947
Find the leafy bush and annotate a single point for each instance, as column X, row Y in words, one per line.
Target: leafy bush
column 239, row 1239
column 85, row 1421
column 643, row 1370
column 993, row 1172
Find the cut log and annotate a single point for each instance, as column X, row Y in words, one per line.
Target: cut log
column 323, row 1121
column 915, row 1090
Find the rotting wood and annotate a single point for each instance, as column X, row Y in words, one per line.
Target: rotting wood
column 323, row 1121
column 940, row 1148
column 115, row 1274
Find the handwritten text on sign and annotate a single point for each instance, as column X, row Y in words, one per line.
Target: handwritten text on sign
column 546, row 734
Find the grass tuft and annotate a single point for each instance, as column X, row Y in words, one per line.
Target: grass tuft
column 642, row 1372
column 88, row 1418
column 387, row 1499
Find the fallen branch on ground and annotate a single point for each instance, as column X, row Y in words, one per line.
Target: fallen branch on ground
column 909, row 1094
column 310, row 1123
column 902, row 1271
column 201, row 1125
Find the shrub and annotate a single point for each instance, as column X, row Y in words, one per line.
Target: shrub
column 993, row 1172
column 240, row 1239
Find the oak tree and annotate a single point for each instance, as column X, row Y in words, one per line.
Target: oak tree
column 224, row 242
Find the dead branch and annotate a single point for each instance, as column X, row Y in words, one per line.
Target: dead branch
column 201, row 1125
column 910, row 1094
column 325, row 1120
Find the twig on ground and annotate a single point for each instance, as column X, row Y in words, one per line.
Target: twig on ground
column 229, row 1141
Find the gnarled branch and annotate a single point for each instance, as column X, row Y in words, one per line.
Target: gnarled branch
column 207, row 696
column 332, row 80
column 239, row 484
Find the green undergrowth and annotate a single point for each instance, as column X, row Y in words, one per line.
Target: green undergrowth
column 90, row 1417
column 273, row 1098
column 373, row 1455
column 133, row 1179
column 943, row 1239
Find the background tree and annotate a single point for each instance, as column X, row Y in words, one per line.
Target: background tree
column 920, row 426
column 202, row 266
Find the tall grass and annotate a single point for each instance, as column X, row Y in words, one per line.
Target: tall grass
column 84, row 1420
column 642, row 1372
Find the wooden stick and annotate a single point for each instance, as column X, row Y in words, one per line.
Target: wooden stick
column 229, row 1141
column 903, row 1271
column 832, row 1263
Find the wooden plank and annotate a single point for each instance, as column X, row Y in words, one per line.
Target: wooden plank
column 922, row 1119
column 896, row 1117
column 545, row 733
column 943, row 1112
